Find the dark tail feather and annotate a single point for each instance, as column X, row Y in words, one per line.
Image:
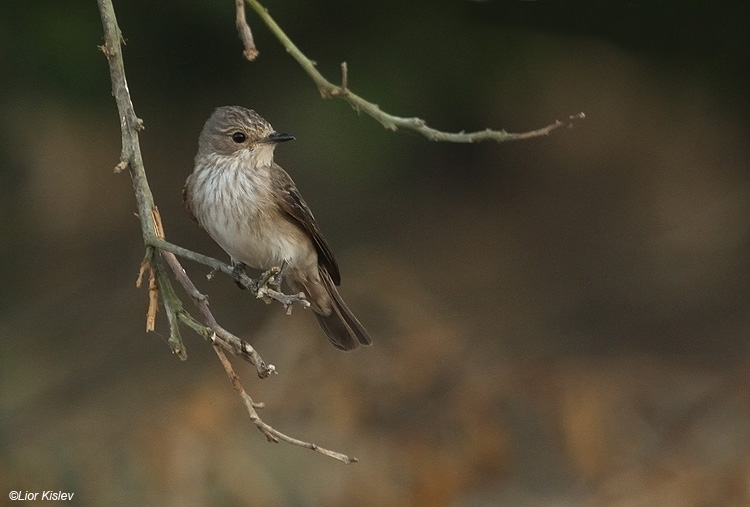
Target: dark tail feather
column 341, row 326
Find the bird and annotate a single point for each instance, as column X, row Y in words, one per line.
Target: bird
column 252, row 208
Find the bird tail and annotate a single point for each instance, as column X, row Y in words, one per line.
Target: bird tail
column 340, row 325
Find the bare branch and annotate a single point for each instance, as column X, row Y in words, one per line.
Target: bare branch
column 328, row 90
column 243, row 30
column 130, row 124
column 273, row 435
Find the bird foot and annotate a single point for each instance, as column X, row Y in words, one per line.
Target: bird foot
column 269, row 288
column 268, row 279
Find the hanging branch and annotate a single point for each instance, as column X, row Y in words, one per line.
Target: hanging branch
column 244, row 32
column 389, row 121
column 159, row 251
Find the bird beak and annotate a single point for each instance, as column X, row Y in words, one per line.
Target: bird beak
column 278, row 137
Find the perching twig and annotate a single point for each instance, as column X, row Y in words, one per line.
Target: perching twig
column 328, row 90
column 272, row 434
column 256, row 288
column 159, row 250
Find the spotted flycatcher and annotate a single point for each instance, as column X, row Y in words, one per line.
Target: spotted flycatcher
column 253, row 210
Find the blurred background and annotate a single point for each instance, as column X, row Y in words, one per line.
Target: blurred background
column 557, row 322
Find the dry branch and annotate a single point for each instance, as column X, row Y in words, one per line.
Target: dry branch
column 389, row 121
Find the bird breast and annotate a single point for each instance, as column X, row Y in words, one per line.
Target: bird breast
column 233, row 199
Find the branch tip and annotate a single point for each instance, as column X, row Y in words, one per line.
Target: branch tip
column 344, row 78
column 244, row 32
column 390, row 122
column 121, row 166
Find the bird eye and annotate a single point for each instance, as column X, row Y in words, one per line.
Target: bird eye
column 239, row 137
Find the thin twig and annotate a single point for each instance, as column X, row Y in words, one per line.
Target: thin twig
column 273, row 435
column 153, row 289
column 328, row 90
column 244, row 32
column 231, row 342
column 172, row 304
column 172, row 307
column 344, row 78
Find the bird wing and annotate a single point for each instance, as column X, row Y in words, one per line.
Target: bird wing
column 186, row 201
column 296, row 208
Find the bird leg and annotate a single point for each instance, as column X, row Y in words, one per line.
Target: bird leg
column 280, row 276
column 268, row 279
column 239, row 269
column 273, row 277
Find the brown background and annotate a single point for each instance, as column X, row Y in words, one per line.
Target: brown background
column 560, row 321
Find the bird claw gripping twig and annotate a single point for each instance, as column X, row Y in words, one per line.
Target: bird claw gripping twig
column 267, row 288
